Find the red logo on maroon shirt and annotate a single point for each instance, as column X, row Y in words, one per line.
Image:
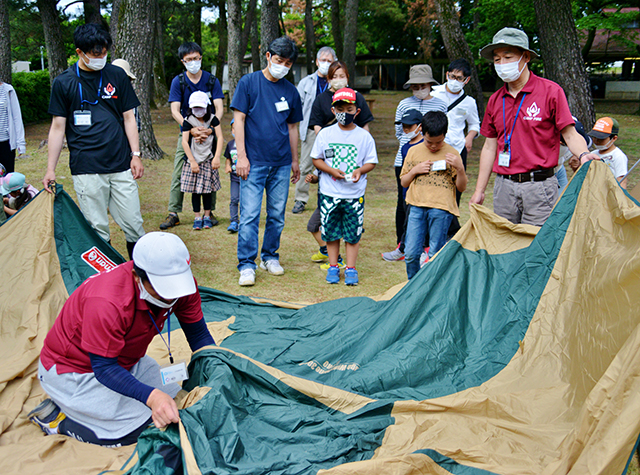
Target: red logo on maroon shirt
column 98, row 260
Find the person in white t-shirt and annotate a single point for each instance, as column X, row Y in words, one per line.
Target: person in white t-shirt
column 605, row 133
column 344, row 153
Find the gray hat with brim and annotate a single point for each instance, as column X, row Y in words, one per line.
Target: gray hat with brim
column 420, row 74
column 508, row 37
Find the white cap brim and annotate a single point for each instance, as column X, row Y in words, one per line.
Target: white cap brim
column 173, row 286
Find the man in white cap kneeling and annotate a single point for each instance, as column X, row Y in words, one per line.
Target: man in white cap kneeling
column 103, row 388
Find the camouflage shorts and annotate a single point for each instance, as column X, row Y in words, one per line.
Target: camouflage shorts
column 341, row 218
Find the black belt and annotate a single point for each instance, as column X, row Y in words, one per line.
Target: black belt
column 536, row 175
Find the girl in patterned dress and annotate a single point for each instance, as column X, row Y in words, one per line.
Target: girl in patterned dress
column 200, row 170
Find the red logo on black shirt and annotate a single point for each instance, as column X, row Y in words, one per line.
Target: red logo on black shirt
column 109, row 92
column 98, row 260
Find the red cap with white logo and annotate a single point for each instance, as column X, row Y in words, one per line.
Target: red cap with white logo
column 166, row 260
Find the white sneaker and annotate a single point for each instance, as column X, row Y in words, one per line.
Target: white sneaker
column 424, row 258
column 247, row 277
column 272, row 266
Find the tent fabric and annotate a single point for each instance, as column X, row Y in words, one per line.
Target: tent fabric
column 515, row 350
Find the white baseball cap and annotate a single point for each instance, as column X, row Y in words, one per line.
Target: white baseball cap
column 199, row 99
column 166, row 260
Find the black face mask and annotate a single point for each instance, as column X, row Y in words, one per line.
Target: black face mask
column 344, row 118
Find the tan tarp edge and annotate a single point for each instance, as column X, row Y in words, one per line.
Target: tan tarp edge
column 569, row 400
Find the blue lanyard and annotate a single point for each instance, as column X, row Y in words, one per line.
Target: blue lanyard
column 168, row 332
column 80, row 89
column 507, row 138
column 326, row 85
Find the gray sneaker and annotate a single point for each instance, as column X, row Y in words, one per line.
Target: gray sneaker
column 298, row 207
column 393, row 256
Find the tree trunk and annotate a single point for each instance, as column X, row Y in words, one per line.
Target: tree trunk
column 310, row 36
column 113, row 23
column 234, row 23
column 92, row 12
column 457, row 47
column 255, row 45
column 5, row 43
column 270, row 27
column 160, row 89
column 135, row 27
column 591, row 35
column 197, row 22
column 223, row 37
column 562, row 57
column 336, row 27
column 56, row 55
column 249, row 21
column 350, row 38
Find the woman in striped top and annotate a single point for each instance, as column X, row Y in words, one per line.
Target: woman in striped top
column 11, row 128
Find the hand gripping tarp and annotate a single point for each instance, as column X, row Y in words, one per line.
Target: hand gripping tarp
column 514, row 351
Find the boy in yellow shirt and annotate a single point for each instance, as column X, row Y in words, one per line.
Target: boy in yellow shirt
column 432, row 172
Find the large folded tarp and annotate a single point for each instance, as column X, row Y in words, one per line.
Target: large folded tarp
column 516, row 350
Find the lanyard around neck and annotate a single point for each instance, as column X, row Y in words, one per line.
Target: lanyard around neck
column 507, row 138
column 168, row 332
column 80, row 88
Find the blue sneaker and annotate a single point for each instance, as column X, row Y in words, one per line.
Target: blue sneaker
column 48, row 416
column 233, row 227
column 197, row 224
column 351, row 276
column 333, row 275
column 207, row 223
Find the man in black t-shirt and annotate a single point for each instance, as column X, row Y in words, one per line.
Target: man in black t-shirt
column 93, row 104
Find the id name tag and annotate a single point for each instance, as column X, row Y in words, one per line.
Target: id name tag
column 348, row 177
column 81, row 118
column 504, row 159
column 282, row 105
column 174, row 373
column 438, row 165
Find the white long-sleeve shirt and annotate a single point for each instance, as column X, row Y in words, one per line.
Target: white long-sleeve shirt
column 463, row 115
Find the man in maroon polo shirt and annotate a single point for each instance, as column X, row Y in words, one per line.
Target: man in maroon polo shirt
column 522, row 125
column 103, row 388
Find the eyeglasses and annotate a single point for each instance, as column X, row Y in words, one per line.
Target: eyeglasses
column 457, row 78
column 192, row 59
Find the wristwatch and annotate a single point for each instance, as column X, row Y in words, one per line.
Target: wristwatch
column 135, row 154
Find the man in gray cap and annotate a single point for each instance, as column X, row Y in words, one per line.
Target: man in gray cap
column 420, row 82
column 522, row 124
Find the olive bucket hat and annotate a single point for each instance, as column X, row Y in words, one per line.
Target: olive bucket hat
column 508, row 37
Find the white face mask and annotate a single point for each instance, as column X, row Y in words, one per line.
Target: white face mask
column 454, row 85
column 422, row 94
column 144, row 295
column 95, row 64
column 509, row 72
column 323, row 67
column 193, row 66
column 12, row 202
column 199, row 111
column 413, row 134
column 605, row 146
column 278, row 71
column 339, row 83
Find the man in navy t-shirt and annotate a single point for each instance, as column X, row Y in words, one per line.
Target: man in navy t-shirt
column 93, row 103
column 182, row 86
column 266, row 111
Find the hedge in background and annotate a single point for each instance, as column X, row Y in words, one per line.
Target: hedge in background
column 33, row 91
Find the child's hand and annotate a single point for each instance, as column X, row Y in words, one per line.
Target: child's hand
column 355, row 176
column 195, row 168
column 311, row 178
column 337, row 174
column 422, row 168
column 215, row 163
column 227, row 167
column 574, row 163
column 454, row 160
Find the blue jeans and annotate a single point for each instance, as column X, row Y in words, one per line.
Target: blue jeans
column 437, row 221
column 561, row 175
column 275, row 181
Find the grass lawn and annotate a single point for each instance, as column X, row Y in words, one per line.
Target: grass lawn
column 214, row 251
